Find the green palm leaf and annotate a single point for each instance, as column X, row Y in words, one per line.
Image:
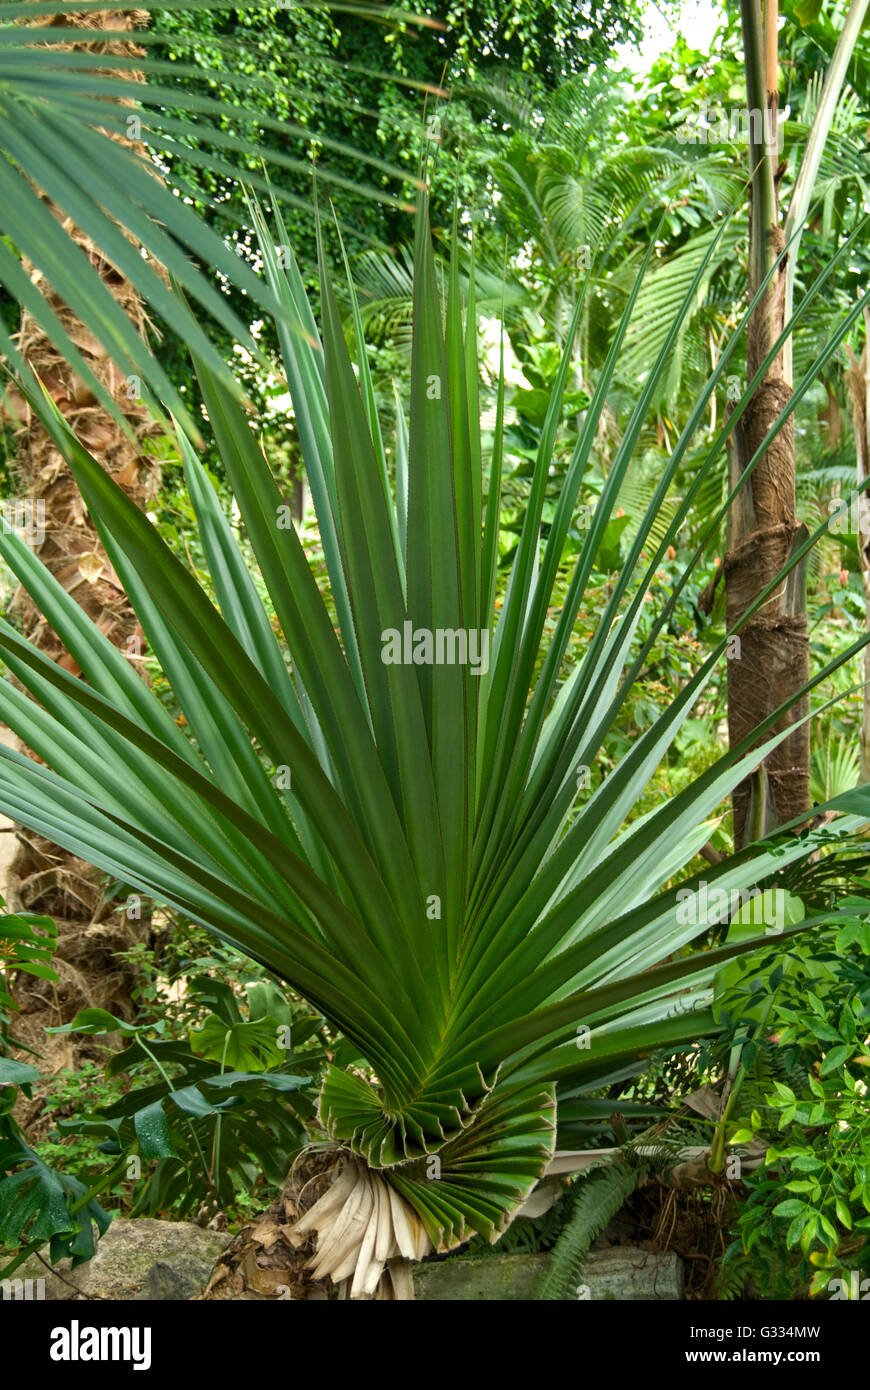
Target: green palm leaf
column 65, row 110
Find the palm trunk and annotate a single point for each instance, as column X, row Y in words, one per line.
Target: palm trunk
column 774, row 657
column 773, row 661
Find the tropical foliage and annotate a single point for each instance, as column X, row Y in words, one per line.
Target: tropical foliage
column 392, row 813
column 428, row 786
column 90, row 115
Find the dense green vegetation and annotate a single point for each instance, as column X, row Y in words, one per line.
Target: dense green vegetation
column 443, row 916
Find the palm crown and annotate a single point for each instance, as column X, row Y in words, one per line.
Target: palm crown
column 411, row 842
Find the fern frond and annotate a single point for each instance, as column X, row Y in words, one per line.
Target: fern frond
column 599, row 1194
column 734, row 1273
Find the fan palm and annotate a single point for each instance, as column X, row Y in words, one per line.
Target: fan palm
column 406, row 835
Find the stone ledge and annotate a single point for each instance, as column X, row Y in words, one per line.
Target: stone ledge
column 623, row 1273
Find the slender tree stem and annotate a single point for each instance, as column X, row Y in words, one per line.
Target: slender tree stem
column 812, row 156
column 764, row 203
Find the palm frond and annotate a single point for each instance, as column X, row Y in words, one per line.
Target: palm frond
column 87, row 131
column 435, row 877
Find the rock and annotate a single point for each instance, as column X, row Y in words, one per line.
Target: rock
column 623, row 1273
column 627, row 1273
column 495, row 1278
column 139, row 1259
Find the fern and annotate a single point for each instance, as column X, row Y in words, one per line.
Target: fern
column 635, row 496
column 766, row 1064
column 735, row 1273
column 598, row 1196
column 767, row 1271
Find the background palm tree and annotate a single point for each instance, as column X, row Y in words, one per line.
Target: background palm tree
column 764, row 533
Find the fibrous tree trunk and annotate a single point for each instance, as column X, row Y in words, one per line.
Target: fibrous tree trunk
column 772, row 662
column 43, row 877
